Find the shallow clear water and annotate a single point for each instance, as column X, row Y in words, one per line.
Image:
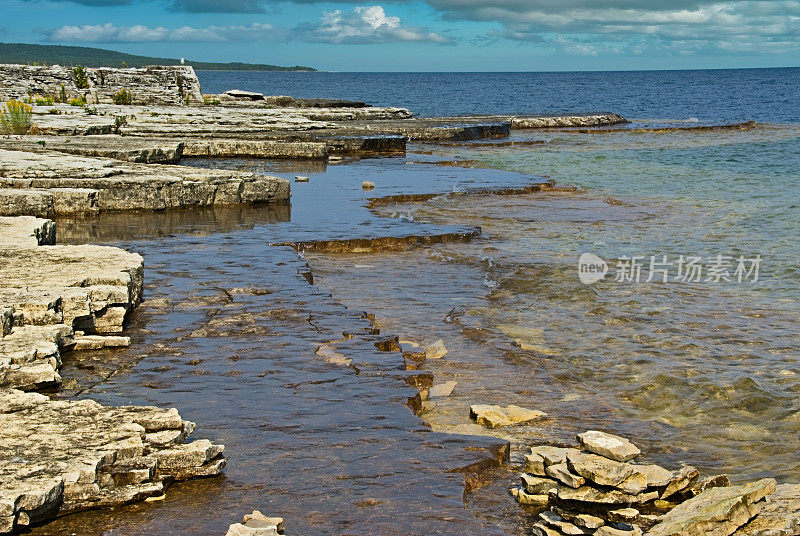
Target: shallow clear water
column 693, row 372
column 699, row 372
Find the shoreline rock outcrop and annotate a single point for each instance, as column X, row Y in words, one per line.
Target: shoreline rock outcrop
column 155, row 84
column 52, row 293
column 597, row 489
column 50, row 183
column 61, row 457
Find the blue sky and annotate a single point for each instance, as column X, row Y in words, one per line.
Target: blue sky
column 429, row 35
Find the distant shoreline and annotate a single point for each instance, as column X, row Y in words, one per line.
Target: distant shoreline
column 30, row 54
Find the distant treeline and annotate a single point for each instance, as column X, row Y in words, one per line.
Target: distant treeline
column 27, row 54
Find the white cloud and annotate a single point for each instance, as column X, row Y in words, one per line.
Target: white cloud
column 364, row 25
column 108, row 33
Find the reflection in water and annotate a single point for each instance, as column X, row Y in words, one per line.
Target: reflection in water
column 115, row 226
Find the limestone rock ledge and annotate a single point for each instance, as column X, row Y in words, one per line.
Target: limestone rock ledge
column 49, row 292
column 44, row 184
column 61, row 457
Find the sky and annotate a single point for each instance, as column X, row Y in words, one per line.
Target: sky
column 425, row 35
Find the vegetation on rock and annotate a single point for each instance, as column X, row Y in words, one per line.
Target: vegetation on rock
column 79, row 75
column 123, row 96
column 15, row 118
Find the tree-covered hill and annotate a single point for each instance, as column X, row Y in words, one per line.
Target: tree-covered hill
column 97, row 57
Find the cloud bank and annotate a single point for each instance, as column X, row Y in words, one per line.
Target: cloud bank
column 362, row 25
column 576, row 27
column 108, row 33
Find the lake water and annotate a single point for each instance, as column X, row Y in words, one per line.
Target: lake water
column 703, row 372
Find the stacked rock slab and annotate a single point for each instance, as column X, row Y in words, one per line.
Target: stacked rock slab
column 61, row 457
column 51, row 292
column 157, row 84
column 45, row 184
column 598, row 489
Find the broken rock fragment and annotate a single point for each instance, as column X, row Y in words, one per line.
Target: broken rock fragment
column 493, row 416
column 608, row 445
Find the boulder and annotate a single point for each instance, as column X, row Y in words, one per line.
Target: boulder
column 562, row 473
column 240, row 94
column 552, row 455
column 590, row 494
column 257, row 524
column 534, row 464
column 657, row 476
column 680, row 481
column 619, row 530
column 442, row 389
column 529, row 499
column 599, row 469
column 780, row 515
column 716, row 512
column 559, row 523
column 437, row 350
column 537, row 485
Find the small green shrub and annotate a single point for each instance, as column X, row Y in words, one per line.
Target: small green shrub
column 42, row 100
column 90, row 111
column 15, row 118
column 62, row 94
column 123, row 96
column 79, row 76
column 54, row 111
column 209, row 101
column 78, row 101
column 119, row 122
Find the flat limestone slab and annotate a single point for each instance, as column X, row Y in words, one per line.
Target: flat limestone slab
column 54, row 183
column 159, row 151
column 66, row 456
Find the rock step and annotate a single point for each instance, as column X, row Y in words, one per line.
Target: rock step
column 97, row 456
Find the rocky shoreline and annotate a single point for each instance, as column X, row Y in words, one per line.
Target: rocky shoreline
column 64, row 456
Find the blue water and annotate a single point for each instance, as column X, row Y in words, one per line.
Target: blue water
column 705, row 374
column 764, row 95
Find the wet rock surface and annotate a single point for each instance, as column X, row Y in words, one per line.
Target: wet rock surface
column 254, row 378
column 717, row 511
column 779, row 516
column 495, row 416
column 257, row 524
